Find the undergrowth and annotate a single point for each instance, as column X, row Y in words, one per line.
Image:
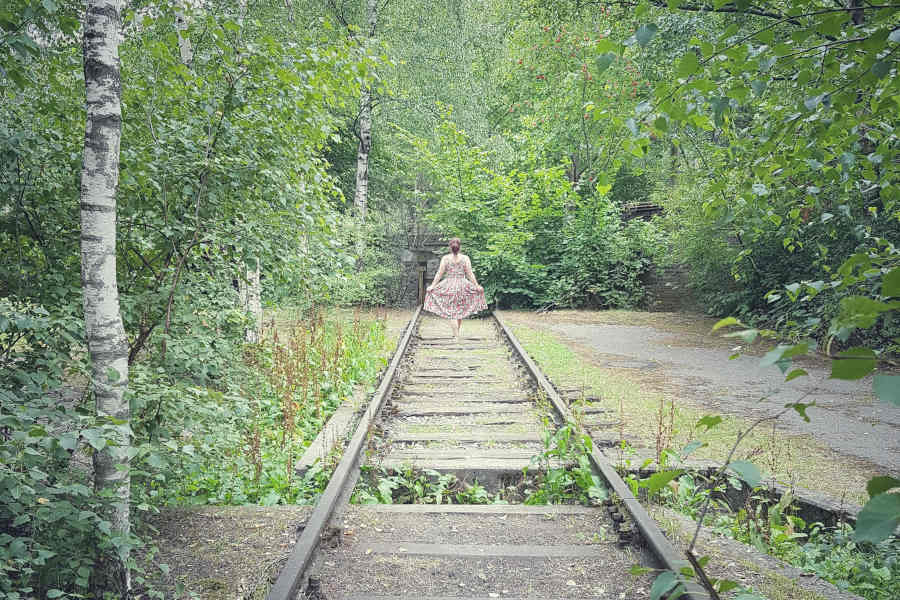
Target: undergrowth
column 410, row 486
column 871, row 571
column 238, row 444
column 225, row 427
column 565, row 475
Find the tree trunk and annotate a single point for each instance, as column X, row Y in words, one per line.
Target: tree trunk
column 106, row 340
column 249, row 290
column 361, row 193
column 184, row 42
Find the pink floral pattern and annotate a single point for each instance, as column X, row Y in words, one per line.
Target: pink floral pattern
column 454, row 296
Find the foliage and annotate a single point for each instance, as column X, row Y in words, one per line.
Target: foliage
column 408, row 486
column 238, row 442
column 222, row 436
column 533, row 239
column 222, row 163
column 868, row 570
column 566, row 474
column 54, row 534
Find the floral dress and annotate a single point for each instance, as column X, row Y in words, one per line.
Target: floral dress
column 454, row 296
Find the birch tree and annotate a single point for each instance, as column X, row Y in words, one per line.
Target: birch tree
column 105, row 333
column 184, row 41
column 361, row 192
column 249, row 286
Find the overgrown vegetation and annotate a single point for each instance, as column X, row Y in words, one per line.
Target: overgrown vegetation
column 871, row 571
column 229, row 435
column 565, row 474
column 409, row 486
column 524, row 126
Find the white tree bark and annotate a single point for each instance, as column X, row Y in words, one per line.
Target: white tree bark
column 250, row 290
column 184, row 41
column 103, row 322
column 361, row 192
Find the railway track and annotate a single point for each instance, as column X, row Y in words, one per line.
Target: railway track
column 467, row 408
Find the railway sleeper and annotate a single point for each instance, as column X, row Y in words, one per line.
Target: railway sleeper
column 473, row 429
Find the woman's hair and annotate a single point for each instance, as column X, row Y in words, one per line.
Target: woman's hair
column 454, row 245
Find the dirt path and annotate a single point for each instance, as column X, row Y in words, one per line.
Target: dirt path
column 673, row 353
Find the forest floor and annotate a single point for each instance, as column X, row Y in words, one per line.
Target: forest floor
column 639, row 362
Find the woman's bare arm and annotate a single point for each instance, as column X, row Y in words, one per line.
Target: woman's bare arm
column 437, row 276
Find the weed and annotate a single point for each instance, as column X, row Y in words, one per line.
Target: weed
column 409, row 486
column 566, row 474
column 868, row 570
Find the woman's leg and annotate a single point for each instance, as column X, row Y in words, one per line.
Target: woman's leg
column 458, row 325
column 454, row 328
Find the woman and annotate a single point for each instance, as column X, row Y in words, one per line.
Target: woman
column 458, row 295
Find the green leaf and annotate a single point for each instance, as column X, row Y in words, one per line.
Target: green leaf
column 854, row 363
column 758, row 86
column 656, row 481
column 688, row 65
column 812, row 102
column 881, row 68
column 878, row 518
column 747, row 471
column 881, row 484
column 726, row 585
column 664, row 582
column 887, row 388
column 890, row 283
column 795, row 374
column 801, row 407
column 604, row 61
column 95, row 438
column 55, row 593
column 645, row 33
column 782, row 352
column 68, row 441
column 860, row 311
column 726, row 322
column 691, row 447
column 709, row 421
column 638, row 570
column 606, row 45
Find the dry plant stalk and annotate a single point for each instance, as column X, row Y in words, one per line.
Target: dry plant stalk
column 621, row 444
column 665, row 427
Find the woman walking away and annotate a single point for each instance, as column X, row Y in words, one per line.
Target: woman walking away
column 458, row 295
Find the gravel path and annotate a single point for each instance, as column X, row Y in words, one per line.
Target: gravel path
column 670, row 347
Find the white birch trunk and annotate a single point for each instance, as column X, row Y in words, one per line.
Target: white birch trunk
column 250, row 291
column 103, row 323
column 184, row 41
column 361, row 192
column 249, row 288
